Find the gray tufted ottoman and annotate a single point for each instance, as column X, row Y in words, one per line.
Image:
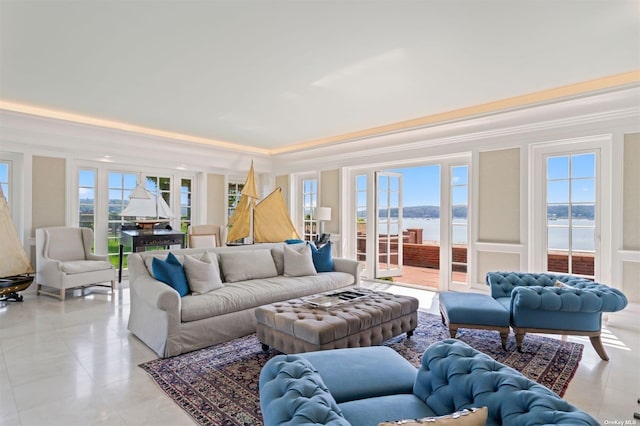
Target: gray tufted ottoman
column 295, row 326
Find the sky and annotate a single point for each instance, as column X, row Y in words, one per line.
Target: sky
column 420, row 185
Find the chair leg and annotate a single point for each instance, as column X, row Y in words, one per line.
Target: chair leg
column 38, row 289
column 519, row 338
column 452, row 332
column 503, row 339
column 62, row 294
column 113, row 286
column 596, row 342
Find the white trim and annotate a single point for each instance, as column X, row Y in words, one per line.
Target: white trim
column 499, row 247
column 629, row 256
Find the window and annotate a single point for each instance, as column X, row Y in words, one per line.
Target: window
column 571, row 213
column 120, row 186
column 87, row 198
column 185, row 204
column 4, row 179
column 159, row 186
column 235, row 192
column 459, row 222
column 361, row 220
column 310, row 202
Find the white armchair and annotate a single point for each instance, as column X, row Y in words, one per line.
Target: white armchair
column 64, row 260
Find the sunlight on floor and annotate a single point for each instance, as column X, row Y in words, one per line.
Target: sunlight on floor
column 608, row 339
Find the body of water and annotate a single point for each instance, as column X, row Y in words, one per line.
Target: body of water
column 558, row 235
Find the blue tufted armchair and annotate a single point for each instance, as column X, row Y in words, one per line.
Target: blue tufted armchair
column 538, row 306
column 369, row 385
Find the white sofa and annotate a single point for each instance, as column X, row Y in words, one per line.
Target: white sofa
column 171, row 325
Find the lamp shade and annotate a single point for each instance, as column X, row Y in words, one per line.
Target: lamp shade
column 322, row 213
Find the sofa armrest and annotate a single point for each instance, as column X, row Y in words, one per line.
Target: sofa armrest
column 293, row 393
column 454, row 376
column 155, row 311
column 586, row 298
column 349, row 266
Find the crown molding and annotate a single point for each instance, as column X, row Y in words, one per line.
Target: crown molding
column 597, row 113
column 557, row 94
column 126, row 127
column 49, row 136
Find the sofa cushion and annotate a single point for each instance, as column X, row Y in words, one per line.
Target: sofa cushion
column 171, row 272
column 203, row 275
column 241, row 295
column 278, row 255
column 80, row 266
column 366, row 378
column 298, row 263
column 322, row 258
column 371, row 411
column 247, row 265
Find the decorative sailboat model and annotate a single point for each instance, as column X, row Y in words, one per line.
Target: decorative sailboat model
column 148, row 210
column 16, row 273
column 266, row 221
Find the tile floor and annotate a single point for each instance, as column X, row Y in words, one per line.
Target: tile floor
column 74, row 363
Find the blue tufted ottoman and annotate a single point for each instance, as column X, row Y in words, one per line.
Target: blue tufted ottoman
column 473, row 310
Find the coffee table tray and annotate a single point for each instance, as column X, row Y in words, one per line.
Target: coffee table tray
column 332, row 299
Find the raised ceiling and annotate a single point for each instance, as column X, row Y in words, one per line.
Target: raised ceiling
column 273, row 75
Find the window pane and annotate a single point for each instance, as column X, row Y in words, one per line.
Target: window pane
column 151, row 184
column 85, row 178
column 185, row 184
column 583, row 215
column 459, row 195
column 86, row 195
column 129, row 181
column 583, row 165
column 459, row 235
column 558, row 168
column 556, row 212
column 383, row 184
column 361, row 182
column 115, row 195
column 583, row 190
column 558, row 191
column 115, row 180
column 558, row 238
column 583, row 239
column 459, row 175
column 165, row 184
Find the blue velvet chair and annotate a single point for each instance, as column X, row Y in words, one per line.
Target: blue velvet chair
column 537, row 305
column 366, row 386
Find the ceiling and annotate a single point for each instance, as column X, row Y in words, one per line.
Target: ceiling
column 275, row 74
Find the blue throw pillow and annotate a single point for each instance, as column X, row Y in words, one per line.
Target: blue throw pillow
column 293, row 241
column 171, row 272
column 322, row 259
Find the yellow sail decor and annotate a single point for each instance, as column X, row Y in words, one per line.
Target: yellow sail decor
column 269, row 219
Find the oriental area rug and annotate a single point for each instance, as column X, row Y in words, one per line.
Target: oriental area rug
column 219, row 385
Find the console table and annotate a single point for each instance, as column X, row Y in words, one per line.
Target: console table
column 141, row 239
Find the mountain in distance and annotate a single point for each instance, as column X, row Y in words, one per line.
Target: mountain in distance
column 433, row 212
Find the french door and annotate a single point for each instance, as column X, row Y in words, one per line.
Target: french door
column 388, row 226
